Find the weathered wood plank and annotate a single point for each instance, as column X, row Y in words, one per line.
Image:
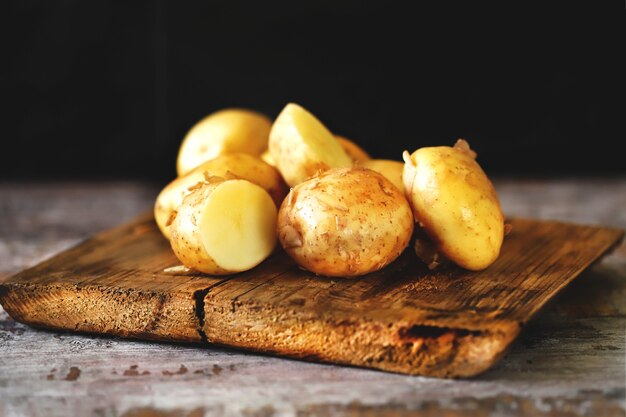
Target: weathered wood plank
column 568, row 361
column 39, row 220
column 407, row 319
column 112, row 283
column 559, row 367
column 447, row 322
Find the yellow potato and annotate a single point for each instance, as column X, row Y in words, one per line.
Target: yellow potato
column 233, row 165
column 354, row 151
column 392, row 170
column 224, row 227
column 455, row 203
column 225, row 131
column 345, row 222
column 267, row 157
column 301, row 146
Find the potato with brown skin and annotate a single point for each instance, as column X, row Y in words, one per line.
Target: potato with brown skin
column 224, row 227
column 225, row 131
column 266, row 156
column 301, row 146
column 233, row 165
column 354, row 151
column 455, row 203
column 392, row 170
column 345, row 223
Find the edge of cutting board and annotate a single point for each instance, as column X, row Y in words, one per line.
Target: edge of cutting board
column 446, row 323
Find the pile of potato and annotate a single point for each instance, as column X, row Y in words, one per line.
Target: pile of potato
column 345, row 215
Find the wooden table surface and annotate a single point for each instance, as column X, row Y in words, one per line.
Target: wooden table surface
column 570, row 361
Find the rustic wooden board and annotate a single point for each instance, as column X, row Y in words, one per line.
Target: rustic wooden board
column 405, row 318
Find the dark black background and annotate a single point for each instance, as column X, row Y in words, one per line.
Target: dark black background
column 107, row 89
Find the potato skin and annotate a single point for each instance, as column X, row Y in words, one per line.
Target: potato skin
column 267, row 158
column 354, row 151
column 237, row 165
column 392, row 170
column 186, row 238
column 225, row 131
column 345, row 222
column 455, row 203
column 293, row 156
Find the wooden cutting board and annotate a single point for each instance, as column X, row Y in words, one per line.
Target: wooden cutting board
column 405, row 318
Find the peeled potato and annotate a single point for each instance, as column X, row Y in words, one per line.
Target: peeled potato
column 225, row 131
column 301, row 146
column 345, row 223
column 354, row 151
column 233, row 165
column 392, row 170
column 224, row 227
column 455, row 203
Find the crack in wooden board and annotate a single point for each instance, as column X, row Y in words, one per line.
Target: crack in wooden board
column 405, row 318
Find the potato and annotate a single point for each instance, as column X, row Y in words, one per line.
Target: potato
column 392, row 170
column 455, row 203
column 225, row 131
column 301, row 146
column 224, row 227
column 354, row 151
column 234, row 165
column 345, row 222
column 266, row 156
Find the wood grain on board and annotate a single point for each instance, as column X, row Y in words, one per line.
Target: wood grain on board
column 405, row 318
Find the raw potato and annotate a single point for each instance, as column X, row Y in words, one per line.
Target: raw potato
column 345, row 223
column 455, row 203
column 354, row 151
column 225, row 131
column 267, row 158
column 301, row 146
column 224, row 227
column 392, row 170
column 234, row 165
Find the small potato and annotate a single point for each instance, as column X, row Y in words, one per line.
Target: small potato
column 354, row 151
column 301, row 146
column 455, row 203
column 266, row 156
column 225, row 131
column 392, row 170
column 224, row 226
column 233, row 165
column 345, row 222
